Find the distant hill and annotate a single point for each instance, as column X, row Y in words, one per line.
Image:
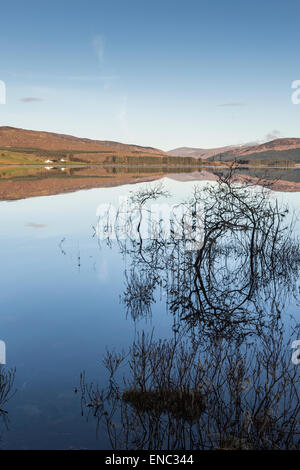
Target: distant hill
column 199, row 152
column 22, row 146
column 285, row 149
column 23, row 138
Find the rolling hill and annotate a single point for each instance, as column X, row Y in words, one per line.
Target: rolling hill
column 278, row 150
column 23, row 147
column 23, row 138
column 199, row 152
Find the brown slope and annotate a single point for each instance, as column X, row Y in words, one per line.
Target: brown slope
column 199, row 152
column 276, row 145
column 15, row 137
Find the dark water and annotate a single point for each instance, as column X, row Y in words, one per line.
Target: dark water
column 62, row 293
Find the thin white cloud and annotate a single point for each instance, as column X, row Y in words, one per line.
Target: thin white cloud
column 95, row 78
column 35, row 225
column 31, row 99
column 98, row 45
column 234, row 104
column 275, row 134
column 122, row 115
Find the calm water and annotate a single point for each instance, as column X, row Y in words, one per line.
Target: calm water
column 61, row 309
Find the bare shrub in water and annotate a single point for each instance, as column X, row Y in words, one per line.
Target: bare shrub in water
column 179, row 396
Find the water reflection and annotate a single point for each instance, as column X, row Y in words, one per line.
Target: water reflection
column 179, row 396
column 239, row 279
column 7, row 378
column 225, row 379
column 18, row 182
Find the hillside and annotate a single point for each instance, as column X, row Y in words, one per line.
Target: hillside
column 199, row 152
column 26, row 147
column 279, row 150
column 276, row 145
column 23, row 138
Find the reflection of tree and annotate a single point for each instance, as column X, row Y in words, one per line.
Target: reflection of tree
column 224, row 392
column 237, row 280
column 139, row 294
column 180, row 396
column 7, row 378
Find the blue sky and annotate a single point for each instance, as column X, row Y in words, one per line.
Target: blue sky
column 160, row 73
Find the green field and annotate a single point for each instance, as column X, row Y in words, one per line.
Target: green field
column 33, row 156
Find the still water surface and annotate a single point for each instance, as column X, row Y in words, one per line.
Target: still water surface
column 61, row 309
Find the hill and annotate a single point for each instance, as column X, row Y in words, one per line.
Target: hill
column 275, row 151
column 23, row 138
column 199, row 152
column 22, row 146
column 285, row 150
column 27, row 147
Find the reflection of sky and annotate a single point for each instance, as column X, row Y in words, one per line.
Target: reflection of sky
column 57, row 317
column 65, row 214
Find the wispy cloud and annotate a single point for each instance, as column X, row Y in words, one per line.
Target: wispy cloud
column 93, row 78
column 98, row 45
column 31, row 99
column 233, row 104
column 122, row 115
column 275, row 134
column 34, row 225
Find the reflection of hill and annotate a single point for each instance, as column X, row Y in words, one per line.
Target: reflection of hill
column 20, row 182
column 40, row 182
column 285, row 180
